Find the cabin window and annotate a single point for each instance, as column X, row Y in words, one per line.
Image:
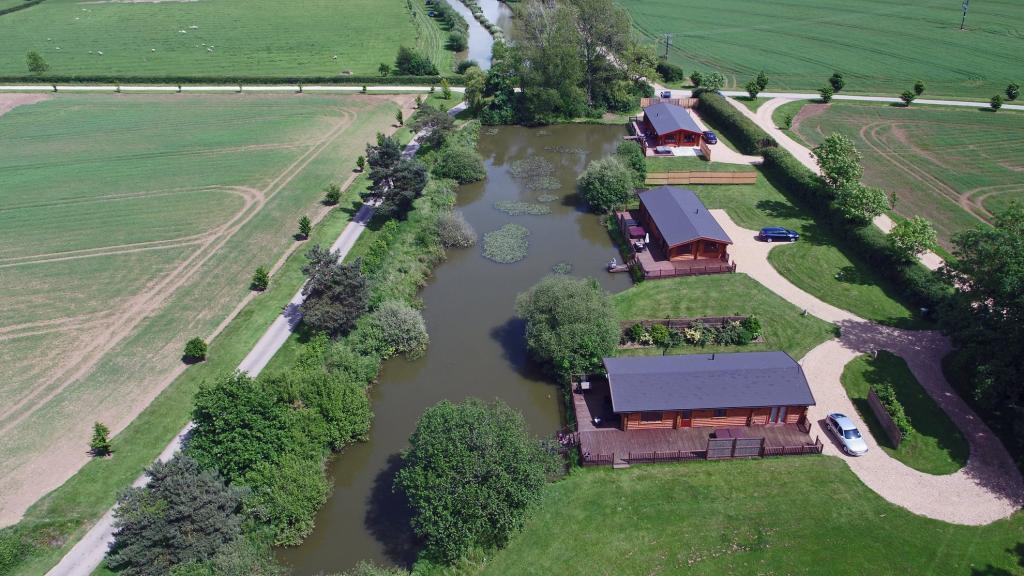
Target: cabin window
column 650, row 416
column 719, row 413
column 711, row 246
column 686, row 414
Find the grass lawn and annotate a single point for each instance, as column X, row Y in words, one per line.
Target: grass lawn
column 248, row 37
column 954, row 166
column 881, row 47
column 790, row 109
column 723, row 295
column 171, row 202
column 793, row 515
column 936, row 446
column 692, row 163
column 752, row 103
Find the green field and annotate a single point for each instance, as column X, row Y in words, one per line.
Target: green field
column 936, row 446
column 723, row 295
column 129, row 224
column 881, row 47
column 954, row 166
column 232, row 37
column 793, row 515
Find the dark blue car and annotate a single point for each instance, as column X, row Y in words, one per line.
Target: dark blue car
column 710, row 137
column 777, row 234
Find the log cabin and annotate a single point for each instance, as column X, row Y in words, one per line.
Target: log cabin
column 680, row 226
column 698, row 390
column 671, row 125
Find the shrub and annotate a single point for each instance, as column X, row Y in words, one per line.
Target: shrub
column 454, row 230
column 409, row 62
column 660, row 335
column 698, row 334
column 465, row 65
column 696, row 78
column 471, row 473
column 457, row 41
column 1012, row 91
column 712, row 81
column 340, row 359
column 996, row 102
column 669, row 72
column 336, row 293
column 99, row 445
column 460, row 163
column 753, row 89
column 507, row 244
column 384, row 69
column 332, row 194
column 305, row 227
column 446, row 90
column 826, row 93
column 637, row 333
column 752, row 324
column 908, row 238
column 762, row 80
column 195, row 350
column 887, row 395
column 361, row 163
column 36, row 64
column 919, row 87
column 632, row 155
column 742, row 131
column 606, row 183
column 570, row 324
column 260, row 279
column 837, row 82
column 393, row 328
column 907, row 97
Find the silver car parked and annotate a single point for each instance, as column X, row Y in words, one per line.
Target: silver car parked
column 847, row 434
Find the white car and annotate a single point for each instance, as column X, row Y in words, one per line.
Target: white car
column 847, row 434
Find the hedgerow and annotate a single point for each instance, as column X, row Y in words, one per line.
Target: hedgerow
column 742, row 131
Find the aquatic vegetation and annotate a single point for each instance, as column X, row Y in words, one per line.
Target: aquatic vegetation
column 507, row 244
column 514, row 208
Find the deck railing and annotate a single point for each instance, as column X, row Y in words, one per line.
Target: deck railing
column 815, row 448
column 718, row 449
column 689, row 271
column 598, row 459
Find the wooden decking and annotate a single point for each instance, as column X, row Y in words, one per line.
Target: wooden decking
column 603, row 443
column 655, row 264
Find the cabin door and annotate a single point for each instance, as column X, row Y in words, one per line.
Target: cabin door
column 777, row 415
column 686, row 419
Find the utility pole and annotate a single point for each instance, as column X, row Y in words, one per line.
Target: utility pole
column 964, row 18
column 668, row 42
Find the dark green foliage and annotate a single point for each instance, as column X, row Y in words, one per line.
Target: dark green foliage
column 606, row 183
column 99, row 445
column 407, row 180
column 908, row 97
column 570, row 324
column 332, row 194
column 393, row 328
column 435, row 120
column 465, row 65
column 185, row 514
column 826, row 93
column 711, row 82
column 195, row 350
column 336, row 293
column 361, row 163
column 470, row 474
column 382, row 158
column 632, row 155
column 35, row 63
column 996, row 102
column 1012, row 91
column 919, row 87
column 409, row 62
column 887, row 396
column 860, row 204
column 384, row 69
column 305, row 226
column 753, row 89
column 457, row 42
column 260, row 279
column 743, row 132
column 670, row 72
column 837, row 82
column 380, row 248
column 696, row 78
column 369, row 569
column 460, row 163
column 762, row 80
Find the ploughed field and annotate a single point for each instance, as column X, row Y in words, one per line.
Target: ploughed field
column 954, row 166
column 129, row 224
column 880, row 46
column 216, row 37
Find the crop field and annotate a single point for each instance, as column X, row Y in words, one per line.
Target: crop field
column 129, row 224
column 954, row 166
column 217, row 37
column 880, row 46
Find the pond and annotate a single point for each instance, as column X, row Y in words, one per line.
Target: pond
column 480, row 39
column 477, row 347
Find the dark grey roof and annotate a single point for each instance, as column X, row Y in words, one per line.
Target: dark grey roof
column 705, row 381
column 667, row 118
column 680, row 216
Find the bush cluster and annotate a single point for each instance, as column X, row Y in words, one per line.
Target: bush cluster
column 455, row 231
column 887, row 395
column 743, row 132
column 735, row 333
column 460, row 163
column 393, row 328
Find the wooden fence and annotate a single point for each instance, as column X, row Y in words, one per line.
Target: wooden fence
column 890, row 427
column 717, row 449
column 698, row 177
column 598, row 459
column 684, row 102
column 705, row 149
column 691, row 271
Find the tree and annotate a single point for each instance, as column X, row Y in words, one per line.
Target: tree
column 632, row 155
column 476, row 85
column 361, row 163
column 860, row 204
column 907, row 96
column 1012, row 91
column 996, row 102
column 99, row 445
column 457, row 41
column 35, row 62
column 435, row 122
column 762, row 81
column 570, row 324
column 400, row 118
column 195, row 350
column 446, row 90
column 606, row 183
column 470, row 474
column 837, row 82
column 919, row 87
column 260, row 279
column 826, row 94
column 839, row 161
column 908, row 238
column 407, row 180
column 409, row 62
column 604, row 30
column 670, row 72
column 382, row 159
column 336, row 293
column 696, row 78
column 305, row 227
column 465, row 65
column 712, row 82
column 460, row 163
column 753, row 89
column 332, row 194
column 384, row 69
column 183, row 515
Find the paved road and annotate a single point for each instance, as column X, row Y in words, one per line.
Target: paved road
column 87, row 554
column 852, row 97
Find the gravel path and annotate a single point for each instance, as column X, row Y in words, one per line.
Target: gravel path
column 987, row 489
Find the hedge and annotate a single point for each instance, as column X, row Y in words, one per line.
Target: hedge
column 22, row 6
column 232, row 80
column 744, row 133
column 917, row 285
